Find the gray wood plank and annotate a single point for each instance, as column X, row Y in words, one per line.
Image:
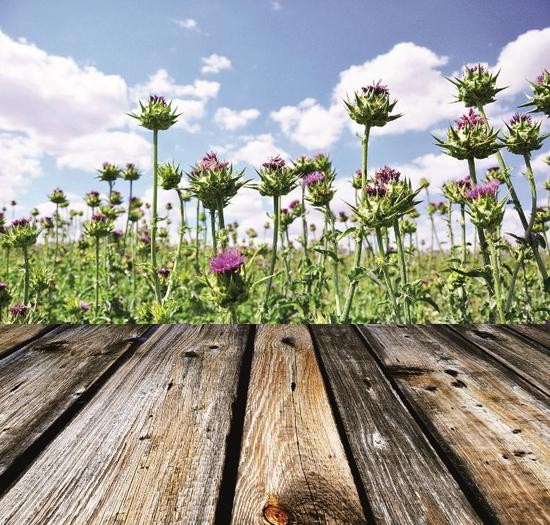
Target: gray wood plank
column 493, row 426
column 528, row 359
column 537, row 332
column 40, row 381
column 405, row 480
column 12, row 335
column 293, row 467
column 150, row 447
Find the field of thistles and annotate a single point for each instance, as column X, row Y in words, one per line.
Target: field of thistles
column 119, row 262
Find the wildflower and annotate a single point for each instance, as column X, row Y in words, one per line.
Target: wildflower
column 343, row 216
column 483, row 190
column 386, row 175
column 57, row 196
column 92, row 199
column 312, row 178
column 157, row 114
column 293, row 204
column 117, row 234
column 18, row 310
column 371, row 106
column 22, row 233
column 477, row 86
column 541, row 94
column 523, row 135
column 303, row 165
column 456, row 191
column 84, row 306
column 164, row 272
column 357, row 180
column 483, row 206
column 495, row 172
column 109, row 172
column 230, row 288
column 115, row 198
column 99, row 226
column 470, row 137
column 276, row 178
column 169, row 175
column 131, row 173
column 228, row 261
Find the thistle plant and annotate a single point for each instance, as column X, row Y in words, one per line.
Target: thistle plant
column 156, row 115
column 5, row 299
column 371, row 107
column 302, row 167
column 540, row 101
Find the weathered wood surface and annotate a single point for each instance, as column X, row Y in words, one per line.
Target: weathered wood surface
column 41, row 381
column 335, row 424
column 492, row 425
column 405, row 480
column 537, row 332
column 293, row 468
column 14, row 335
column 157, row 449
column 528, row 359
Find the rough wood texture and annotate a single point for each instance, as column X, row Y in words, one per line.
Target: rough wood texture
column 150, row 447
column 39, row 382
column 528, row 359
column 405, row 481
column 492, row 425
column 13, row 335
column 293, row 468
column 537, row 332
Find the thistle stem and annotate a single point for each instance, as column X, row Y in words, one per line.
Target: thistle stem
column 387, row 280
column 463, row 231
column 177, row 260
column 96, row 276
column 450, row 227
column 496, row 279
column 359, row 237
column 214, row 235
column 304, row 224
column 127, row 218
column 335, row 262
column 197, row 235
column 154, row 219
column 402, row 268
column 276, row 219
column 27, row 275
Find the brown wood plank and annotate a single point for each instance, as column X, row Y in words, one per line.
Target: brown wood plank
column 492, row 425
column 537, row 332
column 40, row 381
column 528, row 359
column 293, row 468
column 150, row 446
column 405, row 480
column 12, row 335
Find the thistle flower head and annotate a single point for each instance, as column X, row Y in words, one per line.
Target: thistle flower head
column 274, row 163
column 169, row 175
column 227, row 262
column 131, row 173
column 115, row 198
column 456, row 191
column 100, row 225
column 478, row 191
column 386, row 175
column 109, row 172
column 164, row 272
column 18, row 310
column 343, row 216
column 312, row 178
column 293, row 204
column 84, row 306
column 157, row 114
column 523, row 134
column 57, row 196
column 276, row 178
column 540, row 100
column 22, row 233
column 477, row 86
column 92, row 199
column 470, row 119
column 483, row 206
column 357, row 180
column 303, row 165
column 371, row 106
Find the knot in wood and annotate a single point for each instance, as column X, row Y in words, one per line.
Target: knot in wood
column 276, row 515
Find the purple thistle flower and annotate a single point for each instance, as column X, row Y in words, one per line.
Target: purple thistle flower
column 156, row 99
column 130, row 165
column 293, row 204
column 313, row 178
column 466, row 182
column 20, row 223
column 387, row 175
column 490, row 188
column 3, row 286
column 477, row 68
column 374, row 190
column 164, row 272
column 520, row 118
column 145, row 239
column 274, row 163
column 284, row 211
column 118, row 233
column 540, row 78
column 99, row 217
column 18, row 310
column 470, row 119
column 84, row 306
column 227, row 262
column 377, row 89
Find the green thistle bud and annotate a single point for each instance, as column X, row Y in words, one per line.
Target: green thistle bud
column 320, row 190
column 115, row 199
column 131, row 173
column 109, row 172
column 57, row 196
column 92, row 199
column 303, row 165
column 169, row 176
column 484, row 208
column 157, row 114
column 371, row 106
column 471, row 137
column 22, row 233
column 408, row 226
column 109, row 211
column 276, row 179
column 98, row 226
column 547, row 184
column 523, row 135
column 477, row 87
column 541, row 94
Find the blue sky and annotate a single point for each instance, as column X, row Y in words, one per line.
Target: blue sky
column 75, row 67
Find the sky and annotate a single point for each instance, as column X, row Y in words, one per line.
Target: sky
column 252, row 78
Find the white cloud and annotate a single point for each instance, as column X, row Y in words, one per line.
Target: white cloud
column 256, row 150
column 187, row 23
column 215, row 63
column 20, row 164
column 231, row 119
column 275, row 5
column 310, row 124
column 523, row 59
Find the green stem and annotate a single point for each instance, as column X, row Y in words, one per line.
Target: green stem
column 387, row 280
column 154, row 220
column 27, row 275
column 463, row 231
column 233, row 314
column 97, row 276
column 177, row 260
column 127, row 218
column 335, row 261
column 450, row 227
column 496, row 279
column 402, row 269
column 214, row 235
column 304, row 224
column 359, row 237
column 197, row 237
column 276, row 219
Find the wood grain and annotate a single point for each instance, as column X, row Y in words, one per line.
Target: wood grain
column 12, row 335
column 405, row 480
column 528, row 359
column 39, row 382
column 293, row 468
column 537, row 332
column 150, row 447
column 491, row 424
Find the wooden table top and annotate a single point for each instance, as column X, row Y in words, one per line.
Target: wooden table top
column 280, row 424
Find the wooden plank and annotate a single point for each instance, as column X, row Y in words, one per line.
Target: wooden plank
column 491, row 424
column 528, row 359
column 405, row 480
column 539, row 333
column 293, row 468
column 12, row 335
column 150, row 447
column 39, row 382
